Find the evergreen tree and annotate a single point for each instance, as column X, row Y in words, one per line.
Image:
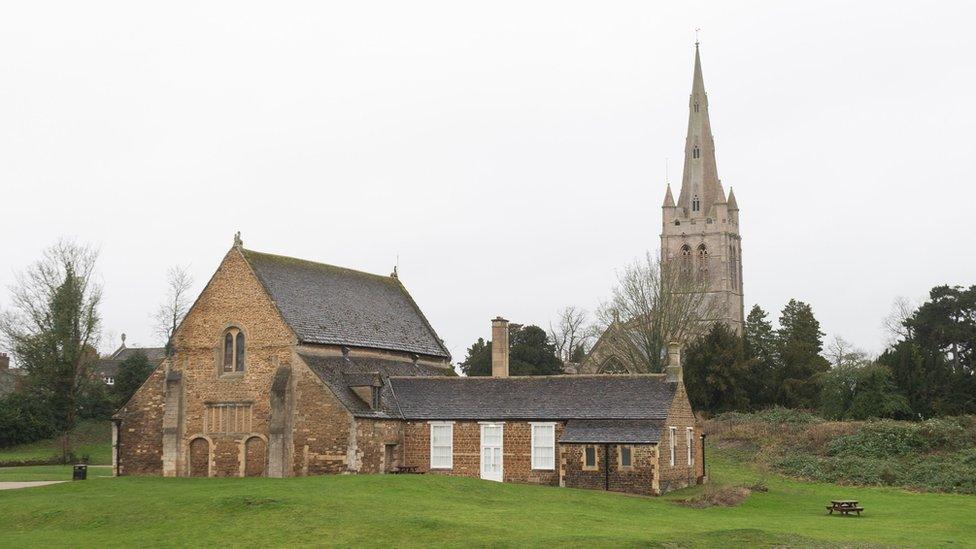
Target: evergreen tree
column 760, row 345
column 133, row 372
column 717, row 371
column 861, row 391
column 799, row 342
column 530, row 353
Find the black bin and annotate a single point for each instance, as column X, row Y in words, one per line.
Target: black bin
column 80, row 472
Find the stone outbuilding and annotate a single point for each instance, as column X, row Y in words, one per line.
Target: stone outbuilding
column 285, row 367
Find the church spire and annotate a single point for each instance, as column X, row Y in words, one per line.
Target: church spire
column 700, row 186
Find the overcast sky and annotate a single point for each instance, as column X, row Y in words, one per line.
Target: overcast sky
column 512, row 154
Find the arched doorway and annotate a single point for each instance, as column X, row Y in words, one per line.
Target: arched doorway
column 199, row 457
column 255, row 457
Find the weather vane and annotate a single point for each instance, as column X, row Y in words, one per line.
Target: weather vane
column 696, row 35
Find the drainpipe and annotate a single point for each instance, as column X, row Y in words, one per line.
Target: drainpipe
column 703, row 455
column 606, row 467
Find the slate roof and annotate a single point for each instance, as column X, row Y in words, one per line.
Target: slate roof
column 612, row 431
column 109, row 367
column 341, row 373
column 329, row 305
column 543, row 397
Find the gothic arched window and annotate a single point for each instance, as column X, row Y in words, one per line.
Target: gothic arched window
column 702, row 262
column 234, row 351
column 685, row 269
column 696, row 106
column 695, row 204
column 696, row 152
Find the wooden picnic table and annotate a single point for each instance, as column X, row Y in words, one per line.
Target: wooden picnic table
column 844, row 507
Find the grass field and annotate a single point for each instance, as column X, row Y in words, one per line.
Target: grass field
column 90, row 438
column 414, row 510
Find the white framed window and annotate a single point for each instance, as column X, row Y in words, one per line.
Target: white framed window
column 441, row 445
column 691, row 445
column 543, row 446
column 673, row 431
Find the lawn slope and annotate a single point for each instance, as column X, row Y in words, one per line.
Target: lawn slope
column 415, row 510
column 91, row 438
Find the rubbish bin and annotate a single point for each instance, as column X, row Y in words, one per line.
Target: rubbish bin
column 80, row 473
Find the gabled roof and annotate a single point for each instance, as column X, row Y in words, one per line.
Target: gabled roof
column 329, row 305
column 534, row 397
column 342, row 373
column 612, row 431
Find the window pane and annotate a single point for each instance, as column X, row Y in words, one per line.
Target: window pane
column 625, row 456
column 240, row 351
column 228, row 352
column 590, row 456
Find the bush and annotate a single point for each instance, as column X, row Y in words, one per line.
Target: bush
column 24, row 419
column 883, row 439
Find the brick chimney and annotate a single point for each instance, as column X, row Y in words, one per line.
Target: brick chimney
column 499, row 347
column 4, row 361
column 673, row 370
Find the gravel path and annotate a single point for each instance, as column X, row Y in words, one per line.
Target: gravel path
column 15, row 485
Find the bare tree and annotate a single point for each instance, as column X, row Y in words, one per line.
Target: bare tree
column 572, row 331
column 841, row 352
column 52, row 330
column 654, row 302
column 178, row 301
column 894, row 324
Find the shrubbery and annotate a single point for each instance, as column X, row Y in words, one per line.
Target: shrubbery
column 938, row 454
column 24, row 419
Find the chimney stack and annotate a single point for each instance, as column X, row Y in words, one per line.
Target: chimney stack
column 673, row 370
column 4, row 361
column 499, row 347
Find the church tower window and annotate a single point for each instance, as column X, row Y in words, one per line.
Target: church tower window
column 696, row 152
column 696, row 106
column 234, row 351
column 685, row 270
column 702, row 262
column 695, row 204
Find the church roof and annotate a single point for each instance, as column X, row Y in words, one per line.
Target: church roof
column 668, row 198
column 559, row 397
column 733, row 205
column 329, row 305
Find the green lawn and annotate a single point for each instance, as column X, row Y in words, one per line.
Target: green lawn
column 414, row 510
column 92, row 438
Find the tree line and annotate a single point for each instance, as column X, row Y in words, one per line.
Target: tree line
column 52, row 329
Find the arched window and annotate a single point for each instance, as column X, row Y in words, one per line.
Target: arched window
column 234, row 351
column 696, row 106
column 695, row 204
column 677, row 222
column 685, row 270
column 702, row 262
column 695, row 153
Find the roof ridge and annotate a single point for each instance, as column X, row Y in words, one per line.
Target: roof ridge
column 556, row 376
column 316, row 263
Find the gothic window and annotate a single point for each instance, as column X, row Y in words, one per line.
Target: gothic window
column 695, row 153
column 685, row 270
column 702, row 262
column 695, row 204
column 696, row 106
column 234, row 351
column 677, row 222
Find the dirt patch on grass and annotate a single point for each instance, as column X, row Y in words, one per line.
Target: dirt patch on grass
column 723, row 496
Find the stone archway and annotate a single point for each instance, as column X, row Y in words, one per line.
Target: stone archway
column 199, row 457
column 255, row 457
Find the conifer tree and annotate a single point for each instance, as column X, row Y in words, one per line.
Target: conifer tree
column 799, row 342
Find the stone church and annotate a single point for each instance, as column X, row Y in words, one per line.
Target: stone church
column 700, row 231
column 285, row 367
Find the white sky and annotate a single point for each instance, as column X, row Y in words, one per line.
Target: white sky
column 511, row 153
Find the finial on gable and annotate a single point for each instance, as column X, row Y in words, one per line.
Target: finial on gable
column 238, row 242
column 123, row 339
column 394, row 273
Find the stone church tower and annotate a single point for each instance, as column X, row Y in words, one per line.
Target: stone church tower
column 702, row 228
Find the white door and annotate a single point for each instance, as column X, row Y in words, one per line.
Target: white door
column 491, row 451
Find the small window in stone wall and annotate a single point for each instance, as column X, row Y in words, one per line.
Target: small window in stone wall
column 626, row 456
column 589, row 458
column 228, row 417
column 234, row 351
column 672, row 434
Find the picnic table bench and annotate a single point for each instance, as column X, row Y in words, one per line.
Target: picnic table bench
column 844, row 507
column 405, row 470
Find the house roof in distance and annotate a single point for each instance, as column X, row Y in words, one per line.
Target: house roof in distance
column 329, row 305
column 558, row 397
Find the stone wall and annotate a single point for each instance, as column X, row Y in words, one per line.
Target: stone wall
column 680, row 416
column 139, row 438
column 516, row 451
column 372, row 438
column 636, row 479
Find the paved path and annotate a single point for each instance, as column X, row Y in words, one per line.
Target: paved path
column 14, row 485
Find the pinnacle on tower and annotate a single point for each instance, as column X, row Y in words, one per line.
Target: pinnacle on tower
column 668, row 198
column 733, row 205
